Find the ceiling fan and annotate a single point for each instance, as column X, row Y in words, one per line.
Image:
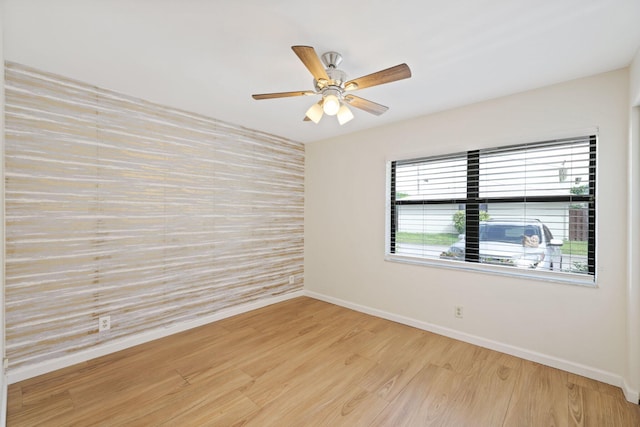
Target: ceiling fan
column 332, row 84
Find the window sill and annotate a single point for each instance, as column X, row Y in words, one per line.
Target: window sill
column 546, row 276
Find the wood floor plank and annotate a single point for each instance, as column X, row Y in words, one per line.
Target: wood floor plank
column 307, row 362
column 399, row 363
column 591, row 408
column 307, row 354
column 595, row 385
column 313, row 389
column 483, row 398
column 222, row 411
column 425, row 401
column 45, row 412
column 99, row 405
column 462, row 358
column 540, row 397
column 14, row 399
column 193, row 401
column 354, row 407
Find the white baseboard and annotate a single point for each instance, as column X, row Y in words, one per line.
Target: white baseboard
column 544, row 359
column 631, row 394
column 34, row 370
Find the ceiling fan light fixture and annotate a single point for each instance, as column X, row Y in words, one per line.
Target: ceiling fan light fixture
column 344, row 114
column 314, row 113
column 331, row 102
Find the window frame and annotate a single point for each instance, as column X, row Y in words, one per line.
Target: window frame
column 473, row 202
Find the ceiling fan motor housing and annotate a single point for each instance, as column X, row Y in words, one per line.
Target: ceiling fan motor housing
column 337, row 77
column 331, row 59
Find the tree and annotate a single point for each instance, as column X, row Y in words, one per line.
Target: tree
column 579, row 189
column 459, row 219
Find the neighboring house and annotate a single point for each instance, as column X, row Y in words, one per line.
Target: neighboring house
column 558, row 222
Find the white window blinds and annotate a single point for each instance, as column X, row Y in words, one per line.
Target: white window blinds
column 529, row 206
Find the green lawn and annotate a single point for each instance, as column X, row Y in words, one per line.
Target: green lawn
column 574, row 247
column 446, row 239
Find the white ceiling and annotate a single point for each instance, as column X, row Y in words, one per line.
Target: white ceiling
column 209, row 56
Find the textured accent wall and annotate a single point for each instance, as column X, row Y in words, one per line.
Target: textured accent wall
column 117, row 206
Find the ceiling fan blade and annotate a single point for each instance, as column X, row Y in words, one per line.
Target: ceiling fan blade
column 310, row 59
column 388, row 75
column 282, row 94
column 366, row 105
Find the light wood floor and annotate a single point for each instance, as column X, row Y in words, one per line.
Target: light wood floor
column 308, row 363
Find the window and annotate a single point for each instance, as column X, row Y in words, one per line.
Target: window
column 523, row 208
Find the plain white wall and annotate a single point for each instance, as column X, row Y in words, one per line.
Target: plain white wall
column 345, row 227
column 634, row 78
column 3, row 378
column 633, row 280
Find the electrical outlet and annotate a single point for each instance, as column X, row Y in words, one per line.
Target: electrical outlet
column 458, row 311
column 292, row 280
column 104, row 323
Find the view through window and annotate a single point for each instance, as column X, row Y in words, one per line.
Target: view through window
column 529, row 207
